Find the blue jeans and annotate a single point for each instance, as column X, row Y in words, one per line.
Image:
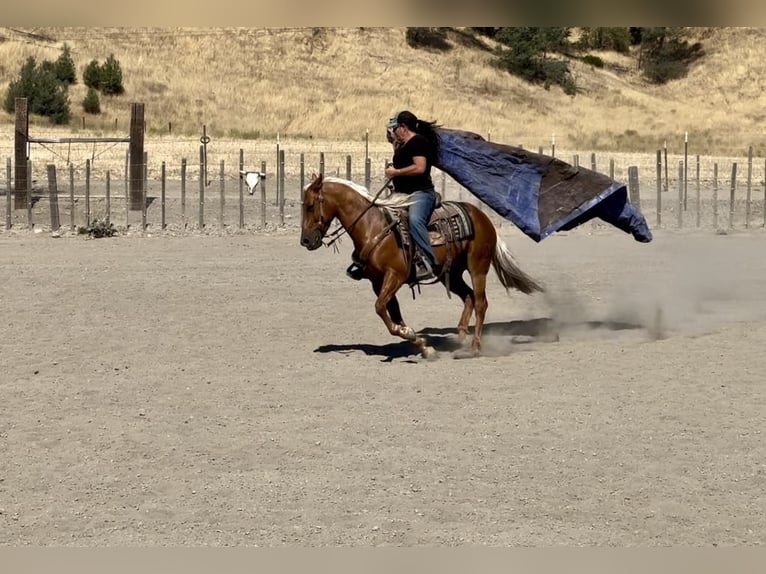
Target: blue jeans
column 421, row 209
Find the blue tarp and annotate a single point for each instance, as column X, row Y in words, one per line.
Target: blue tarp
column 538, row 193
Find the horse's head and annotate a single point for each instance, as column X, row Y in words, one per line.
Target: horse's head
column 314, row 214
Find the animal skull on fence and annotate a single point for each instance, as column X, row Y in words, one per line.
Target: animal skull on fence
column 252, row 179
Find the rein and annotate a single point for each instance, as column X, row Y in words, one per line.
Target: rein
column 338, row 233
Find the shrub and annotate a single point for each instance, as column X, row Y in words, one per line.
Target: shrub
column 594, row 61
column 111, row 77
column 659, row 71
column 98, row 228
column 91, row 76
column 106, row 78
column 433, row 38
column 91, row 104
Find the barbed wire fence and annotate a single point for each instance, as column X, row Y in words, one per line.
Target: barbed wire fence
column 184, row 175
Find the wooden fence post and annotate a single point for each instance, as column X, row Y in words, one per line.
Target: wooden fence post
column 108, row 197
column 715, row 195
column 593, row 161
column 732, row 193
column 321, row 163
column 635, row 197
column 764, row 194
column 8, row 194
column 348, row 167
column 302, row 176
column 367, row 172
column 263, row 196
column 201, row 187
column 21, row 141
column 136, row 154
column 686, row 167
column 241, row 189
column 222, row 206
column 611, row 168
column 87, row 193
column 276, row 175
column 680, row 205
column 127, row 190
column 444, row 186
column 28, row 195
column 53, row 197
column 282, row 187
column 697, row 194
column 144, row 190
column 659, row 188
column 71, row 198
column 162, row 195
column 749, row 185
column 183, row 192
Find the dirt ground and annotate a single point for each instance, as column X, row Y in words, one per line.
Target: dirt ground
column 235, row 389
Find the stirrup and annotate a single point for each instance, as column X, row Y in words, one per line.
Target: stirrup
column 424, row 273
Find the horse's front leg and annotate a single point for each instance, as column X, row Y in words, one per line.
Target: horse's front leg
column 387, row 308
column 395, row 312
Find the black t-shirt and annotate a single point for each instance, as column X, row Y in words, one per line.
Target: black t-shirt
column 417, row 146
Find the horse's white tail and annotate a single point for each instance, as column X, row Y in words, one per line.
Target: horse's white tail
column 509, row 273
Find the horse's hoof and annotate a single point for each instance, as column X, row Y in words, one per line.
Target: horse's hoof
column 430, row 353
column 466, row 353
column 407, row 333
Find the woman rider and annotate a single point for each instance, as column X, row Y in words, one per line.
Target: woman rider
column 416, row 148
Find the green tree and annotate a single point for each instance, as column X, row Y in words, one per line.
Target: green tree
column 535, row 54
column 616, row 39
column 50, row 98
column 666, row 54
column 91, row 104
column 91, row 76
column 46, row 95
column 64, row 67
column 21, row 87
column 111, row 77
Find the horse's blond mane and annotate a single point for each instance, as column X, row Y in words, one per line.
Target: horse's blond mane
column 387, row 198
column 360, row 189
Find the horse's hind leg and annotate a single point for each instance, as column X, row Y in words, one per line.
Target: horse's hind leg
column 460, row 288
column 479, row 280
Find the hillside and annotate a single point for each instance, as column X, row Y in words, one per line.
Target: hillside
column 335, row 84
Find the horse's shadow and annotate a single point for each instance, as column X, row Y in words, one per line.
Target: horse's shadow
column 444, row 339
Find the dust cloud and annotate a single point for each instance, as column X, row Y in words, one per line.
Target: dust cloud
column 694, row 287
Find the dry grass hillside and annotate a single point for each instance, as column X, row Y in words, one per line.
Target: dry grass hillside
column 334, row 84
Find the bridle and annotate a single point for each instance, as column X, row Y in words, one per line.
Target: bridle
column 336, row 234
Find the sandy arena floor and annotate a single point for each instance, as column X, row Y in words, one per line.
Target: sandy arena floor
column 239, row 390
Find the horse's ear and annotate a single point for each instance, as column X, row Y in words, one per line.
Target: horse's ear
column 316, row 180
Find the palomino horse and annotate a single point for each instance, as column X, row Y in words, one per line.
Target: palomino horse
column 387, row 265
